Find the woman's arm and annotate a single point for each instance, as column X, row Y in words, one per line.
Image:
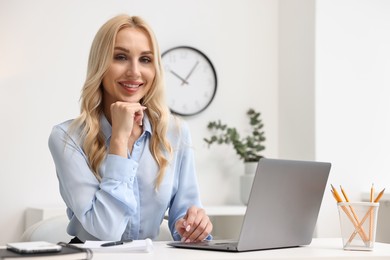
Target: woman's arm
column 187, row 219
column 102, row 208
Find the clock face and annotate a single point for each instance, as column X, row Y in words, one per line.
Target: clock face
column 191, row 81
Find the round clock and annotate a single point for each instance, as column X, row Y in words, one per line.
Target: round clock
column 191, row 80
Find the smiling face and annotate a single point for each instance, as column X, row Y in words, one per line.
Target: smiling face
column 131, row 73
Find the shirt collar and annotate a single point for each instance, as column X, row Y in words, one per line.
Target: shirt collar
column 107, row 129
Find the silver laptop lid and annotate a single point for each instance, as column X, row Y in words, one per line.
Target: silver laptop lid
column 284, row 204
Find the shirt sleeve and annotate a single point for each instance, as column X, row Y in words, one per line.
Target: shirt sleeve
column 103, row 208
column 187, row 192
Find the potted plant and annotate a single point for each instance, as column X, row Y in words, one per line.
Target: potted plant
column 248, row 148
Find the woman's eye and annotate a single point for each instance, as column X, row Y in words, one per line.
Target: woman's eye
column 120, row 57
column 146, row 59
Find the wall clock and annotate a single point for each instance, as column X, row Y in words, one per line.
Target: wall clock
column 191, row 80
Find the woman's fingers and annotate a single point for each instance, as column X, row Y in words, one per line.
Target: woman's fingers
column 195, row 226
column 124, row 115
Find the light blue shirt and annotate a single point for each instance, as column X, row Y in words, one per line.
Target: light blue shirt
column 125, row 204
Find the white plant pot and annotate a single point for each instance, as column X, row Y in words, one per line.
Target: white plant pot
column 246, row 181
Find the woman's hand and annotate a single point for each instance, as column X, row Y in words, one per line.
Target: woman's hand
column 123, row 117
column 195, row 226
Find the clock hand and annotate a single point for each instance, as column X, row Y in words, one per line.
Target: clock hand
column 192, row 70
column 183, row 81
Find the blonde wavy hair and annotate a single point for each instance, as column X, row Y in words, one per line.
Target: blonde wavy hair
column 100, row 58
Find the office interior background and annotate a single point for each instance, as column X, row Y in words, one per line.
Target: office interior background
column 317, row 70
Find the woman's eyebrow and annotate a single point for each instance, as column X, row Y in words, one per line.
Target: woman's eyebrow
column 121, row 49
column 147, row 52
column 128, row 51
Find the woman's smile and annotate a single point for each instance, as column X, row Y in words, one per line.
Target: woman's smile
column 130, row 86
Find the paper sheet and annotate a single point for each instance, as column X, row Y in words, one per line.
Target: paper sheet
column 137, row 246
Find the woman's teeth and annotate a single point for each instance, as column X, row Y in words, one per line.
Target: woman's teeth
column 130, row 85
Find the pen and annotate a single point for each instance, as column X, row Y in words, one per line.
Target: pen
column 116, row 243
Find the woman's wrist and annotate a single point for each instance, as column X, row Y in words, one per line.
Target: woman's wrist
column 118, row 146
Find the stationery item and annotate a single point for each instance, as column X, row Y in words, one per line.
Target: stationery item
column 371, row 213
column 282, row 210
column 134, row 246
column 378, row 198
column 349, row 229
column 67, row 252
column 116, row 243
column 357, row 214
column 353, row 218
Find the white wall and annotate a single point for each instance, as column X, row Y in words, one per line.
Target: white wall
column 296, row 79
column 43, row 51
column 43, row 54
column 352, row 98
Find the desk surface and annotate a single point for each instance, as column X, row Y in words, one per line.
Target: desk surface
column 324, row 248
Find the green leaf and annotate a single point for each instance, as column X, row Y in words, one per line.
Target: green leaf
column 247, row 148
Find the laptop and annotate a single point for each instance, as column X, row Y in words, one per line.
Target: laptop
column 282, row 210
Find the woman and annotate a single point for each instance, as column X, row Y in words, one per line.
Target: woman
column 125, row 160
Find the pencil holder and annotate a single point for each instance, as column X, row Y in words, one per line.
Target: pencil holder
column 358, row 222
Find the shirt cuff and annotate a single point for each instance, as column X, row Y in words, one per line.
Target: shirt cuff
column 120, row 168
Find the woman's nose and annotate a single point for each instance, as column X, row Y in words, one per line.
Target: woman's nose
column 133, row 69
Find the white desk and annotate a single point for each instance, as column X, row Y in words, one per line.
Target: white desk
column 320, row 248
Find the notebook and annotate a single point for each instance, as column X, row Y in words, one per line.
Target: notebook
column 67, row 252
column 282, row 210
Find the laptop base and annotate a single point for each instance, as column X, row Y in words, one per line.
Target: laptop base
column 215, row 245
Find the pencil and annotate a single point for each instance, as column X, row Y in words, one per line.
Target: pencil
column 352, row 209
column 377, row 199
column 361, row 230
column 344, row 208
column 336, row 194
column 371, row 213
